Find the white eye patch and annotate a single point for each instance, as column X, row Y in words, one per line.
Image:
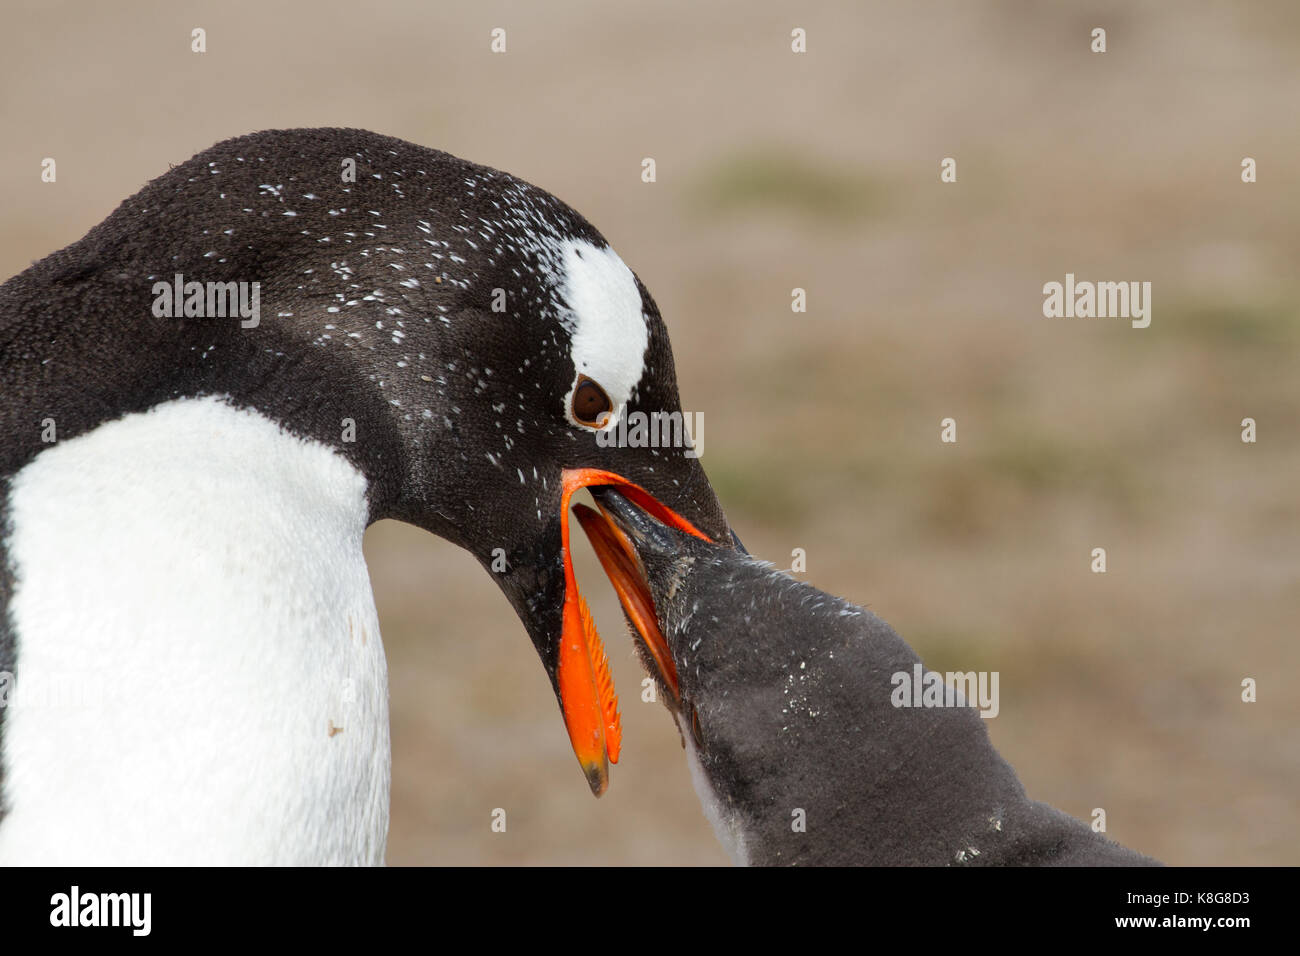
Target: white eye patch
column 605, row 323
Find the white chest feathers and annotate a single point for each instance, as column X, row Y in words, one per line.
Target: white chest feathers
column 726, row 822
column 199, row 675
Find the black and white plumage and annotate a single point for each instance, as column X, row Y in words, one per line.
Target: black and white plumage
column 182, row 499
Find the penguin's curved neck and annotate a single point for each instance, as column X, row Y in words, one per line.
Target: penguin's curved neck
column 73, row 365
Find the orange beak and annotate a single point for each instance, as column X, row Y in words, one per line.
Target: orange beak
column 587, row 696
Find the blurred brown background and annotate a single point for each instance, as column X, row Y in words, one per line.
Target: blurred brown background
column 821, row 171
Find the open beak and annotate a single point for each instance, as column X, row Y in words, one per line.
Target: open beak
column 585, row 687
column 627, row 574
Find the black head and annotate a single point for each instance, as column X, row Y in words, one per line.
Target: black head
column 467, row 340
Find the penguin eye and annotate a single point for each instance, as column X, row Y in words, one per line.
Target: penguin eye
column 590, row 403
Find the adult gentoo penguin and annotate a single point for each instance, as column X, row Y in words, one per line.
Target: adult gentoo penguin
column 185, row 611
column 784, row 696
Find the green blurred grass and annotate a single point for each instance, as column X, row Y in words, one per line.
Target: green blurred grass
column 773, row 178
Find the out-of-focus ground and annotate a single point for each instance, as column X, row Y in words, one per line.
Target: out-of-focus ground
column 775, row 170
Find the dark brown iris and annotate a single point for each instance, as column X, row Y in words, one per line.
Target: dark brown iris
column 590, row 403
